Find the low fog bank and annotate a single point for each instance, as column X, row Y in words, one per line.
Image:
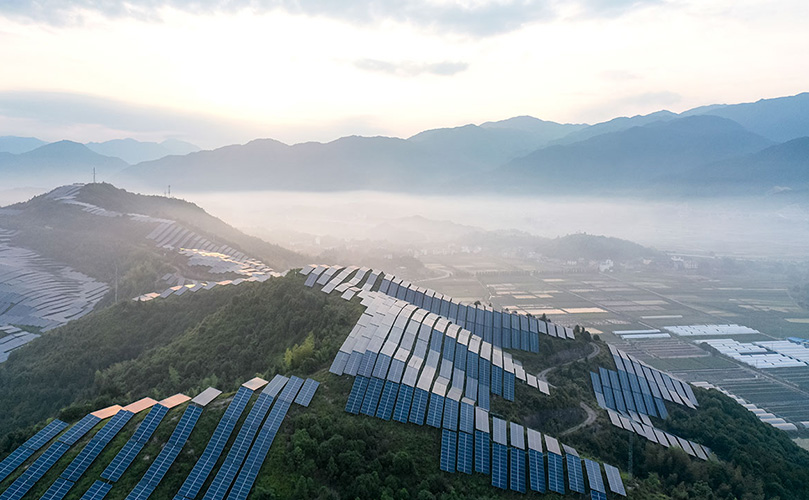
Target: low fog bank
column 307, row 222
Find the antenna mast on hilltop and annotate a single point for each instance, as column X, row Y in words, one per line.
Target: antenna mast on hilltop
column 169, row 191
column 94, row 175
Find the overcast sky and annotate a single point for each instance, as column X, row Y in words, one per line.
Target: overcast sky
column 216, row 72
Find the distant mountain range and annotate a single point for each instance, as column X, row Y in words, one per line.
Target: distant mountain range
column 715, row 148
column 129, row 150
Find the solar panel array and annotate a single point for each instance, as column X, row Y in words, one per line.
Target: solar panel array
column 27, row 449
column 97, row 491
column 244, row 439
column 130, row 450
column 249, row 471
column 575, row 476
column 614, row 480
column 48, row 458
column 213, row 450
column 161, row 464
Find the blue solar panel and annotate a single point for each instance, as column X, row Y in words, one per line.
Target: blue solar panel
column 356, row 395
column 185, row 426
column 614, row 479
column 517, row 476
column 556, row 473
column 627, row 391
column 575, row 477
column 35, row 472
column 661, row 408
column 388, row 400
column 596, row 381
column 403, row 402
column 47, row 433
column 157, row 470
column 609, row 399
column 419, row 408
column 385, row 285
column 150, row 423
column 536, row 471
column 58, row 489
column 78, row 430
column 508, row 386
column 238, row 451
column 451, row 408
column 97, row 491
column 307, row 392
column 14, row 460
column 372, row 395
column 258, row 453
column 499, row 466
column 467, row 422
column 594, row 478
column 497, row 380
column 597, row 495
column 435, row 411
column 449, row 443
column 96, row 445
column 206, row 462
column 466, row 452
column 482, row 451
column 122, row 460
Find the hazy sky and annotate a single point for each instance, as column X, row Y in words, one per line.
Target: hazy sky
column 221, row 71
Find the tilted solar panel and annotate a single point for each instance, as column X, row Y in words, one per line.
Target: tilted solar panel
column 97, row 491
column 536, row 470
column 556, row 473
column 466, row 452
column 594, row 475
column 614, row 480
column 449, row 441
column 499, row 466
column 58, row 489
column 403, row 401
column 79, row 429
column 356, row 395
column 517, row 475
column 387, row 401
column 482, row 451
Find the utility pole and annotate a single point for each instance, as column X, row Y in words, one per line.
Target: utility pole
column 94, row 175
column 169, row 195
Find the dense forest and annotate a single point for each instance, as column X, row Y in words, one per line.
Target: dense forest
column 226, row 335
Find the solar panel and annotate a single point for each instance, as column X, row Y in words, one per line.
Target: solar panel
column 594, row 475
column 372, row 395
column 90, row 452
column 482, row 451
column 122, row 460
column 449, row 443
column 517, row 476
column 35, row 471
column 466, row 452
column 403, row 401
column 356, row 395
column 79, row 429
column 497, row 380
column 238, row 450
column 213, row 450
column 499, row 431
column 58, row 489
column 14, row 460
column 597, row 495
column 97, row 491
column 388, row 400
column 536, row 471
column 451, row 410
column 258, row 453
column 467, row 416
column 614, row 480
column 556, row 473
column 157, row 470
column 435, row 411
column 499, row 466
column 47, row 433
column 419, row 408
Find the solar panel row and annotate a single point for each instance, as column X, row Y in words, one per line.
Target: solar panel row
column 575, row 477
column 91, row 451
column 258, row 453
column 466, row 452
column 213, row 450
column 97, row 491
column 517, row 462
column 449, row 443
column 499, row 466
column 161, row 464
column 241, row 446
column 36, row 470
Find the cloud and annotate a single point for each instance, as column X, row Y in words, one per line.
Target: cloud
column 412, row 68
column 479, row 18
column 53, row 116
